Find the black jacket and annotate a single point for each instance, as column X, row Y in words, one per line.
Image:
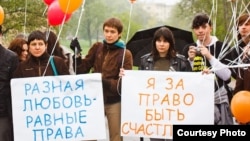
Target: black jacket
column 235, row 53
column 36, row 66
column 178, row 63
column 8, row 64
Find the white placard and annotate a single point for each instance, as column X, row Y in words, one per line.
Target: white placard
column 152, row 101
column 58, row 108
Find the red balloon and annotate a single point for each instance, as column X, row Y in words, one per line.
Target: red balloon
column 55, row 15
column 240, row 106
column 48, row 2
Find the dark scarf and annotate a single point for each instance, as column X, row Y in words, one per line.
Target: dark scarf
column 117, row 44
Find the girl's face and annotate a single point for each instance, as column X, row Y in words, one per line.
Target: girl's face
column 37, row 47
column 24, row 53
column 111, row 34
column 162, row 46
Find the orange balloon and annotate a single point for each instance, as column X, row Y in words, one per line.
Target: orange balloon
column 132, row 1
column 69, row 6
column 240, row 106
column 1, row 15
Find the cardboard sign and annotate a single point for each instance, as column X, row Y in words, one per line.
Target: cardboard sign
column 152, row 101
column 58, row 108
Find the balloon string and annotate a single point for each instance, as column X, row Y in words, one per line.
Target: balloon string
column 78, row 26
column 123, row 56
column 47, row 37
column 130, row 15
column 79, row 21
column 45, row 10
column 67, row 8
column 57, row 39
column 25, row 18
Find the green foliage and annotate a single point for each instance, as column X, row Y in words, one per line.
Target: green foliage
column 26, row 18
column 220, row 12
column 96, row 11
column 15, row 14
column 135, row 67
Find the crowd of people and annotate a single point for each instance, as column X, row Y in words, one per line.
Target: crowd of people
column 32, row 56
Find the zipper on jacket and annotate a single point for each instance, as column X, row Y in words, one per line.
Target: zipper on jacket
column 105, row 58
column 39, row 68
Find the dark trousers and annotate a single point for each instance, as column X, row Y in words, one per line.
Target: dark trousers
column 6, row 133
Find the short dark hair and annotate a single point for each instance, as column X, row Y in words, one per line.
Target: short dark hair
column 37, row 34
column 201, row 19
column 115, row 23
column 243, row 18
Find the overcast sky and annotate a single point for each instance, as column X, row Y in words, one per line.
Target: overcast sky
column 167, row 2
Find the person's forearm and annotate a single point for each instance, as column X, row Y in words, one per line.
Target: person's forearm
column 220, row 69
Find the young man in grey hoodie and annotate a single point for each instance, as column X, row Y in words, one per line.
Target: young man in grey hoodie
column 212, row 56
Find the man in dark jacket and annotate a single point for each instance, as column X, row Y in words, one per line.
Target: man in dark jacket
column 8, row 63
